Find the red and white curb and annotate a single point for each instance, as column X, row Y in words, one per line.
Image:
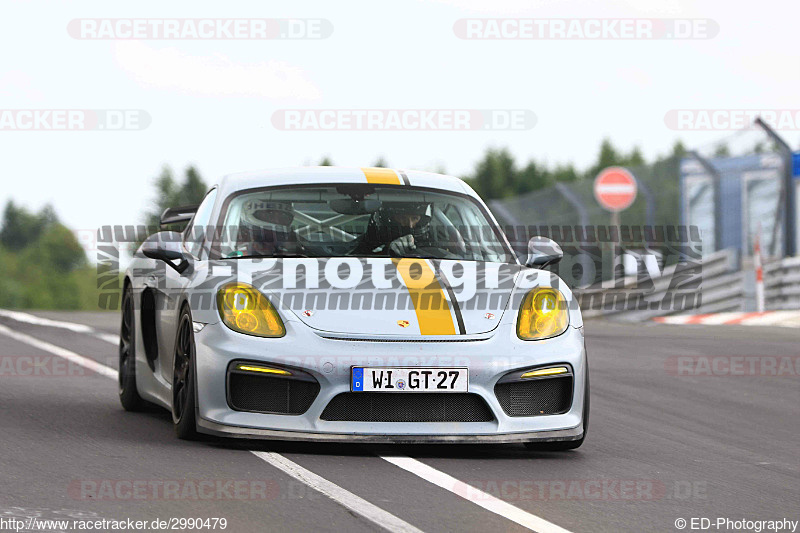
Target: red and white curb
column 768, row 318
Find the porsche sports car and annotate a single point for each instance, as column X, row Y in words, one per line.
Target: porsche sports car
column 352, row 305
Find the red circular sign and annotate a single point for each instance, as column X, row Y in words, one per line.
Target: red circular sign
column 615, row 188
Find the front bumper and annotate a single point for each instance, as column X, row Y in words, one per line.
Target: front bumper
column 329, row 360
column 221, row 430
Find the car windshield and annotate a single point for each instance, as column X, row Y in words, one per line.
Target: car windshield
column 357, row 220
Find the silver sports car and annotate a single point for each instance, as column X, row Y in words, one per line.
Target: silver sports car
column 363, row 305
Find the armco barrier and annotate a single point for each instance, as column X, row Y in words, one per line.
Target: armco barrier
column 782, row 284
column 721, row 289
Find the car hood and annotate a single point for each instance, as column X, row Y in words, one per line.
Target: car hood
column 381, row 296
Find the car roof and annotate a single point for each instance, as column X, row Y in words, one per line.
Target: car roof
column 325, row 175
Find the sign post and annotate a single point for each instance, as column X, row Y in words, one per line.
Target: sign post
column 759, row 271
column 615, row 190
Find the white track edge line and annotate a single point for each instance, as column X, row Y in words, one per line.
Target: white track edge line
column 85, row 362
column 28, row 318
column 347, row 499
column 476, row 496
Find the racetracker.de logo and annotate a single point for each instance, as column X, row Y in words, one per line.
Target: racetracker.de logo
column 173, row 489
column 41, row 366
column 730, row 119
column 599, row 490
column 403, row 119
column 733, row 365
column 199, row 29
column 74, row 119
column 612, row 29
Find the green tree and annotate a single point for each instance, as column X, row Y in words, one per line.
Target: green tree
column 565, row 173
column 59, row 247
column 326, row 162
column 495, row 175
column 532, row 177
column 44, row 267
column 21, row 227
column 170, row 193
column 381, row 163
column 607, row 157
column 678, row 149
column 194, row 188
column 635, row 158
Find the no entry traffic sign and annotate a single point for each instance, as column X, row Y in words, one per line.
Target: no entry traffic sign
column 615, row 189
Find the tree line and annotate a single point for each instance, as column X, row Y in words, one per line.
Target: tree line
column 43, row 266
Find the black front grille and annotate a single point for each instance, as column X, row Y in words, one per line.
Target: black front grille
column 411, row 407
column 265, row 394
column 535, row 397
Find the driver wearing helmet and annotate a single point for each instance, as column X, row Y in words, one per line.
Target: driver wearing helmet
column 265, row 228
column 398, row 229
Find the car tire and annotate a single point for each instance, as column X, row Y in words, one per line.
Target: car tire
column 565, row 445
column 128, row 394
column 184, row 390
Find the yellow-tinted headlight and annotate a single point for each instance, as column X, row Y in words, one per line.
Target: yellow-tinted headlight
column 246, row 310
column 543, row 314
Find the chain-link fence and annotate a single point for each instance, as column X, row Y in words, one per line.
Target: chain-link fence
column 731, row 190
column 716, row 197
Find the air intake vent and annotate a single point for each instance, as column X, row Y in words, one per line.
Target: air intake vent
column 535, row 397
column 412, row 407
column 265, row 394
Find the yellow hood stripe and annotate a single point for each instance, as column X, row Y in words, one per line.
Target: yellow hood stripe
column 427, row 296
column 381, row 176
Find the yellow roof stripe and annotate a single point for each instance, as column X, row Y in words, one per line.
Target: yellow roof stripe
column 381, row 176
column 427, row 296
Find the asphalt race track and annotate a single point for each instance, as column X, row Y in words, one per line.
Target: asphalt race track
column 662, row 445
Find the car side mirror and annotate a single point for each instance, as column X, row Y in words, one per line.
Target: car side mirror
column 166, row 246
column 543, row 252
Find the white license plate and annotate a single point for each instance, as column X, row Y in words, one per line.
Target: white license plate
column 383, row 379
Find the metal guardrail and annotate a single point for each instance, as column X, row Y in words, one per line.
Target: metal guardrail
column 782, row 284
column 721, row 289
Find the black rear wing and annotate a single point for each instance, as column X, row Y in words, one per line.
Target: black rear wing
column 178, row 215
